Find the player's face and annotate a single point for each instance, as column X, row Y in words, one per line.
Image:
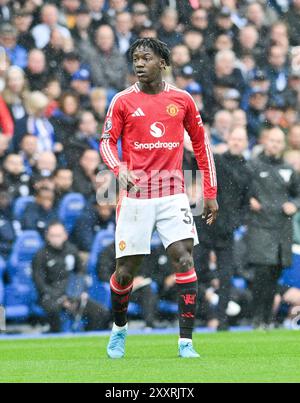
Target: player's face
column 147, row 65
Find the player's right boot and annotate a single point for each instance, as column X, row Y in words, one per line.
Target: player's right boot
column 116, row 345
column 186, row 350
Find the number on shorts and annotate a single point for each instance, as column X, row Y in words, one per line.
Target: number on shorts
column 189, row 219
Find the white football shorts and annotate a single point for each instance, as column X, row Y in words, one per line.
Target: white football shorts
column 137, row 219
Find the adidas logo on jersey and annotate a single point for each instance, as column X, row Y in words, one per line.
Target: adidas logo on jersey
column 138, row 113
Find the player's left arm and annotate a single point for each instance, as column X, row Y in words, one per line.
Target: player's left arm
column 204, row 156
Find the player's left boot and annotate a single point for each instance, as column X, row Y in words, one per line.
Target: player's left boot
column 116, row 345
column 186, row 350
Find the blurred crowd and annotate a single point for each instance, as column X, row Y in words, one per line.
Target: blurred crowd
column 61, row 62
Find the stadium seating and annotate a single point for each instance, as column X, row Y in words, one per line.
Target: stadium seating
column 291, row 276
column 20, row 206
column 20, row 294
column 98, row 290
column 70, row 209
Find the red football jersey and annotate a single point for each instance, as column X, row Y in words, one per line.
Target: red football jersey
column 152, row 131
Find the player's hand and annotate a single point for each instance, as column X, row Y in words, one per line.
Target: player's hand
column 138, row 281
column 210, row 212
column 128, row 180
column 289, row 209
column 255, row 205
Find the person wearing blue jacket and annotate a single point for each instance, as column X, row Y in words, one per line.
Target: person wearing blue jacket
column 93, row 219
column 39, row 214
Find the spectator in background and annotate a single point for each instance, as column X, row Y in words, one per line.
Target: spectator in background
column 258, row 101
column 15, row 94
column 94, row 218
column 86, row 138
column 292, row 157
column 54, row 52
column 5, row 11
column 53, row 92
column 224, row 23
column 140, row 17
column 248, row 42
column 277, row 70
column 7, row 230
column 38, row 125
column 70, row 65
column 42, row 32
column 108, row 66
column 40, row 213
column 99, row 106
column 225, row 69
column 180, row 57
column 54, row 266
column 294, row 137
column 15, row 177
column 200, row 62
column 115, row 7
column 233, row 196
column 82, row 32
column 274, row 114
column 39, row 181
column 123, row 31
column 220, row 131
column 85, row 173
column 63, row 180
column 36, row 72
column 200, row 21
column 168, row 31
column 64, row 118
column 81, row 84
column 256, row 15
column 29, row 152
column 68, row 12
column 162, row 273
column 8, row 40
column 293, row 22
column 98, row 16
column 239, row 119
column 46, row 164
column 231, row 100
column 22, row 21
column 275, row 199
column 279, row 35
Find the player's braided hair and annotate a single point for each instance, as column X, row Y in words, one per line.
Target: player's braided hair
column 157, row 46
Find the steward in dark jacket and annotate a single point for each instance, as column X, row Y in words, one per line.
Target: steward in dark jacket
column 233, row 198
column 93, row 219
column 275, row 200
column 53, row 269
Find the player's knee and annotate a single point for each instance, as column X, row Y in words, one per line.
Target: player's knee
column 185, row 262
column 124, row 276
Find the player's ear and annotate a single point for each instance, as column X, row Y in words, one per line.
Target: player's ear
column 163, row 65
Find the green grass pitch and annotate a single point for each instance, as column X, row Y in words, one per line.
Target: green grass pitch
column 226, row 357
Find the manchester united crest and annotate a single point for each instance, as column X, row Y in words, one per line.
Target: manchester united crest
column 173, row 110
column 122, row 246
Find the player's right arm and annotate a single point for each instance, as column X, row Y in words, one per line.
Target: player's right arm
column 112, row 130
